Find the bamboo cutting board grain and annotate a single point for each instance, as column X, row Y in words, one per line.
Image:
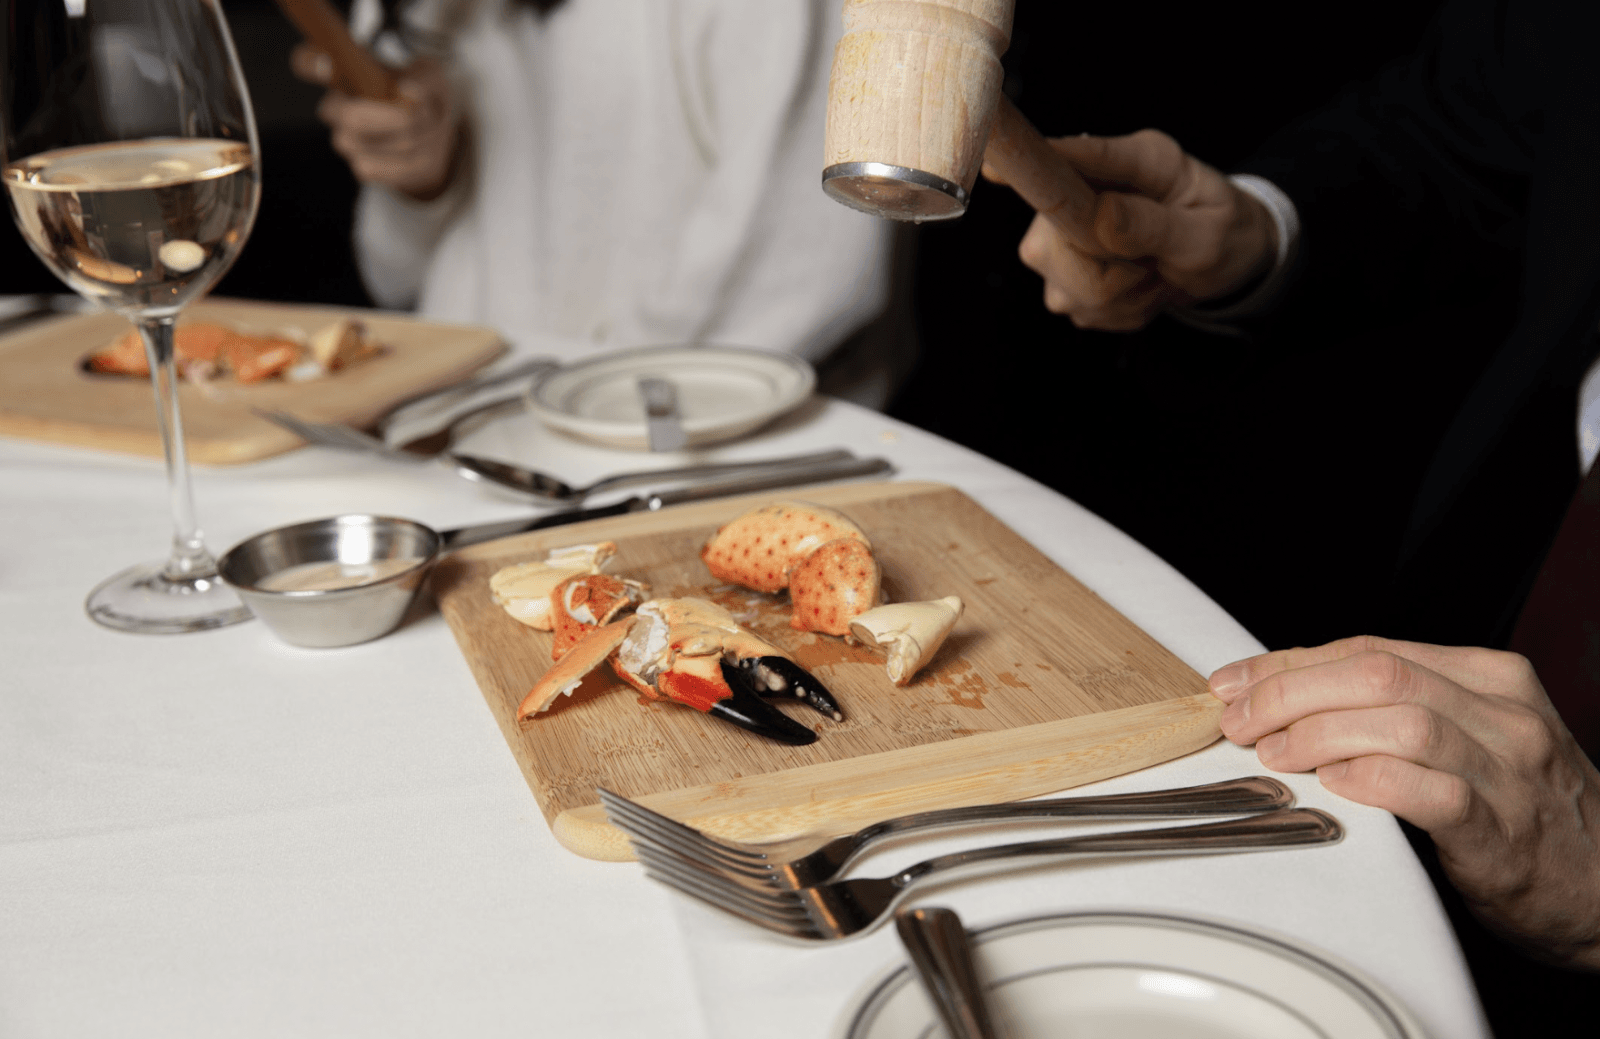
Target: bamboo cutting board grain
column 1042, row 686
column 45, row 396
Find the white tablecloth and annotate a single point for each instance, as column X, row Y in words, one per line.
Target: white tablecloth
column 218, row 834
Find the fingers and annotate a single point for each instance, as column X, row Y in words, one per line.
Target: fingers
column 1113, row 295
column 311, row 65
column 1424, row 797
column 410, row 144
column 1408, row 732
column 1148, row 162
column 1132, row 225
column 1351, row 684
column 1020, row 156
column 1475, row 668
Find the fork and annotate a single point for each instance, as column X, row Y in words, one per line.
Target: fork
column 771, row 865
column 846, row 908
column 348, row 438
column 418, row 449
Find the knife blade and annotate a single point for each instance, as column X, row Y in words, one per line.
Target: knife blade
column 844, row 469
column 663, row 425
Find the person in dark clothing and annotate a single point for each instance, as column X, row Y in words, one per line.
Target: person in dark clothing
column 1462, row 180
column 1405, row 289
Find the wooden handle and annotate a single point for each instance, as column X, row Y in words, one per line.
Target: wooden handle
column 1019, row 155
column 355, row 70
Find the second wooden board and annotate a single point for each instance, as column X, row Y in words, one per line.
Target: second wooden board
column 1042, row 685
column 46, row 395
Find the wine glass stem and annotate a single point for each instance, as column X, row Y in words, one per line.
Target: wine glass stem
column 189, row 558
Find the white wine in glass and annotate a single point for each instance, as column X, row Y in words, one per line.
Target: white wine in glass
column 132, row 165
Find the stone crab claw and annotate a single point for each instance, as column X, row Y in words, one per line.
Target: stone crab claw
column 693, row 652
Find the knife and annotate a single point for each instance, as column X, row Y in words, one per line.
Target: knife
column 843, row 469
column 662, row 423
column 941, row 952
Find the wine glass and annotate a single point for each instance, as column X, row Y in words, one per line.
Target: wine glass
column 131, row 162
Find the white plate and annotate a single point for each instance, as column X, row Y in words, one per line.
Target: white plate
column 1146, row 976
column 723, row 392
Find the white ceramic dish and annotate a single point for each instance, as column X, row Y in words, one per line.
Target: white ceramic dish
column 1145, row 976
column 723, row 393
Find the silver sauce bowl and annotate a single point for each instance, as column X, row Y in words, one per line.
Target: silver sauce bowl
column 325, row 617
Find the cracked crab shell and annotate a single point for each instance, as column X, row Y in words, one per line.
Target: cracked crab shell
column 523, row 589
column 912, row 632
column 762, row 548
column 836, row 583
column 568, row 673
column 580, row 604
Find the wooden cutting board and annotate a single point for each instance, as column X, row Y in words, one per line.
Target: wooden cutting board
column 1042, row 686
column 45, row 394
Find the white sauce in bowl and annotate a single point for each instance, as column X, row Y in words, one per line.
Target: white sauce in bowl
column 333, row 576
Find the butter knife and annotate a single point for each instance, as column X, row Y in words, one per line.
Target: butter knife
column 842, row 469
column 941, row 952
column 662, row 423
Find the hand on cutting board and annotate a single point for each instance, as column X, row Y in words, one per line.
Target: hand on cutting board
column 410, row 146
column 1460, row 742
column 1164, row 228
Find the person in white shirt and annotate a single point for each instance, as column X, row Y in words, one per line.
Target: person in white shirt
column 591, row 175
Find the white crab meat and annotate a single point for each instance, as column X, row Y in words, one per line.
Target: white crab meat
column 523, row 589
column 912, row 632
column 666, row 630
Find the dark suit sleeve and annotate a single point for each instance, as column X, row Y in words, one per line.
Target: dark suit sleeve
column 1451, row 245
column 1411, row 182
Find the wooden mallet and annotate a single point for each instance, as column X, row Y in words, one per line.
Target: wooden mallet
column 914, row 105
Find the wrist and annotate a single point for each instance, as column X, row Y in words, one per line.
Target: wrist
column 1276, row 231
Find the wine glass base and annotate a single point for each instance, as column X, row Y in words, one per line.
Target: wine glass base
column 143, row 599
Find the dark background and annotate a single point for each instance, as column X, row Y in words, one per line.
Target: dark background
column 1120, row 423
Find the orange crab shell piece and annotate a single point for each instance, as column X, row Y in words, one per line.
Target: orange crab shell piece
column 584, row 602
column 835, row 585
column 568, row 673
column 762, row 548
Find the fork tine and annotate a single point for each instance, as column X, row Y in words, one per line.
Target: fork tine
column 760, row 898
column 775, row 904
column 633, row 818
column 790, row 929
column 789, row 915
column 721, row 846
column 718, row 893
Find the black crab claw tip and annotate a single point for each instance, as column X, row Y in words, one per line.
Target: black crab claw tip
column 775, row 676
column 748, row 711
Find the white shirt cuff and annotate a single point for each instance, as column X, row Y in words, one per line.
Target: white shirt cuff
column 1286, row 219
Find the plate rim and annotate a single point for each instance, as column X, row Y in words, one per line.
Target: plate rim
column 1400, row 1023
column 702, row 431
